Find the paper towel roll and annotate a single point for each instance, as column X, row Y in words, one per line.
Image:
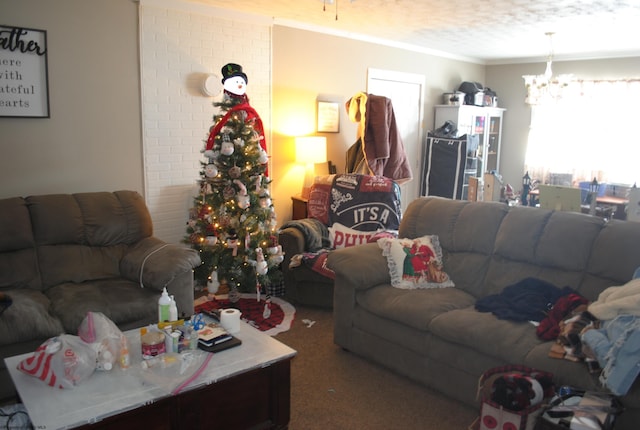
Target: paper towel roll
column 230, row 320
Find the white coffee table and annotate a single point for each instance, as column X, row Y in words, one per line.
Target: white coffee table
column 242, row 387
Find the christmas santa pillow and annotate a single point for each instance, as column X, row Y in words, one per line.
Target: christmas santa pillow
column 415, row 263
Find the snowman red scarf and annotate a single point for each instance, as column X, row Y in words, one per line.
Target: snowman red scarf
column 252, row 115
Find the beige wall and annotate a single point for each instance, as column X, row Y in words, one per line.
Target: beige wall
column 310, row 66
column 92, row 140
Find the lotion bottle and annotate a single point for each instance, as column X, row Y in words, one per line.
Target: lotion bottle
column 163, row 306
column 173, row 310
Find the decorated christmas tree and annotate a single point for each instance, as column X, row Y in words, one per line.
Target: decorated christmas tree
column 233, row 221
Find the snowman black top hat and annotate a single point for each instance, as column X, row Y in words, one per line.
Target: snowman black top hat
column 230, row 70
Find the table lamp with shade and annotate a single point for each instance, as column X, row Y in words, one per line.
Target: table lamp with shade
column 310, row 150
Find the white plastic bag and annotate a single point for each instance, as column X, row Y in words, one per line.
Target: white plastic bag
column 63, row 361
column 104, row 336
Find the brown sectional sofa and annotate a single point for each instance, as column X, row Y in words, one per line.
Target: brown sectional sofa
column 436, row 336
column 65, row 254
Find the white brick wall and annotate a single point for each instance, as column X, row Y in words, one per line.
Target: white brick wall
column 179, row 43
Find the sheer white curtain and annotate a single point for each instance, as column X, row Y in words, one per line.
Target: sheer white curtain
column 591, row 131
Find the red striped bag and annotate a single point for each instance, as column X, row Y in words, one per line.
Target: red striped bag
column 63, row 361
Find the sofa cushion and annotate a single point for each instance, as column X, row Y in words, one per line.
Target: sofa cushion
column 507, row 340
column 415, row 263
column 27, row 318
column 97, row 219
column 18, row 263
column 78, row 263
column 120, row 300
column 415, row 308
column 15, row 225
column 576, row 374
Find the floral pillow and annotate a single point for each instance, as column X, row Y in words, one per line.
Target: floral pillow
column 415, row 263
column 342, row 236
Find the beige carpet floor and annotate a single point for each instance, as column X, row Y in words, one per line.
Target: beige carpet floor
column 334, row 389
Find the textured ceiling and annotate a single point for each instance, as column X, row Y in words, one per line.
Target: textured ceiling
column 488, row 31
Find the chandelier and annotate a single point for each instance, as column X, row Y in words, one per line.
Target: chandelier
column 546, row 86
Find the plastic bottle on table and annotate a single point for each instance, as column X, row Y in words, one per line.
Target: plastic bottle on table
column 173, row 309
column 163, row 306
column 125, row 359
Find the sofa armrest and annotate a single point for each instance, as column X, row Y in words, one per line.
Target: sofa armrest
column 155, row 264
column 292, row 241
column 361, row 266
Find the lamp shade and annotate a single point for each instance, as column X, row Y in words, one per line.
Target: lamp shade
column 311, row 149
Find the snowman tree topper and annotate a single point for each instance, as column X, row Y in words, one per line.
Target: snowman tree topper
column 234, row 82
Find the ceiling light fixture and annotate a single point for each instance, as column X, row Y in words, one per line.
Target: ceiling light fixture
column 540, row 87
column 324, row 5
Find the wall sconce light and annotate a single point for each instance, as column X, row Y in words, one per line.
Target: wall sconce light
column 310, row 150
column 211, row 85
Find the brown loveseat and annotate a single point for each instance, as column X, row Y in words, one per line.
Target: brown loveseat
column 436, row 336
column 65, row 254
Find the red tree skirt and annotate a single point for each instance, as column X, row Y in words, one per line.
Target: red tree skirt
column 282, row 312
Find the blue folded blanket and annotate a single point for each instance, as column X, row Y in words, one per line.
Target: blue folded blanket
column 526, row 300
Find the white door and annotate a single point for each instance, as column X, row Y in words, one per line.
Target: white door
column 406, row 91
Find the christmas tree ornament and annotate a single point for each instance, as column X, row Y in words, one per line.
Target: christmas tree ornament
column 265, row 201
column 266, row 313
column 263, row 157
column 232, row 243
column 228, row 192
column 213, row 285
column 242, row 197
column 211, row 171
column 210, row 154
column 234, row 295
column 205, row 188
column 235, row 172
column 227, row 147
column 257, row 183
column 261, row 267
column 274, row 260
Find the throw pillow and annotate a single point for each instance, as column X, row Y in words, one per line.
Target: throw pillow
column 342, row 236
column 319, row 198
column 415, row 263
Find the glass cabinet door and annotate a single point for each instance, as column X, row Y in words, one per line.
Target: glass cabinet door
column 479, row 131
column 493, row 143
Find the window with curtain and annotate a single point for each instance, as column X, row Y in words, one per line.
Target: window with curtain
column 589, row 132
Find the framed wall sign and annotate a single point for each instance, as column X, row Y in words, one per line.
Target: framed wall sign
column 24, row 86
column 328, row 117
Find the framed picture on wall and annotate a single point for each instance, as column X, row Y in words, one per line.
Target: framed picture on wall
column 24, row 74
column 328, row 117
